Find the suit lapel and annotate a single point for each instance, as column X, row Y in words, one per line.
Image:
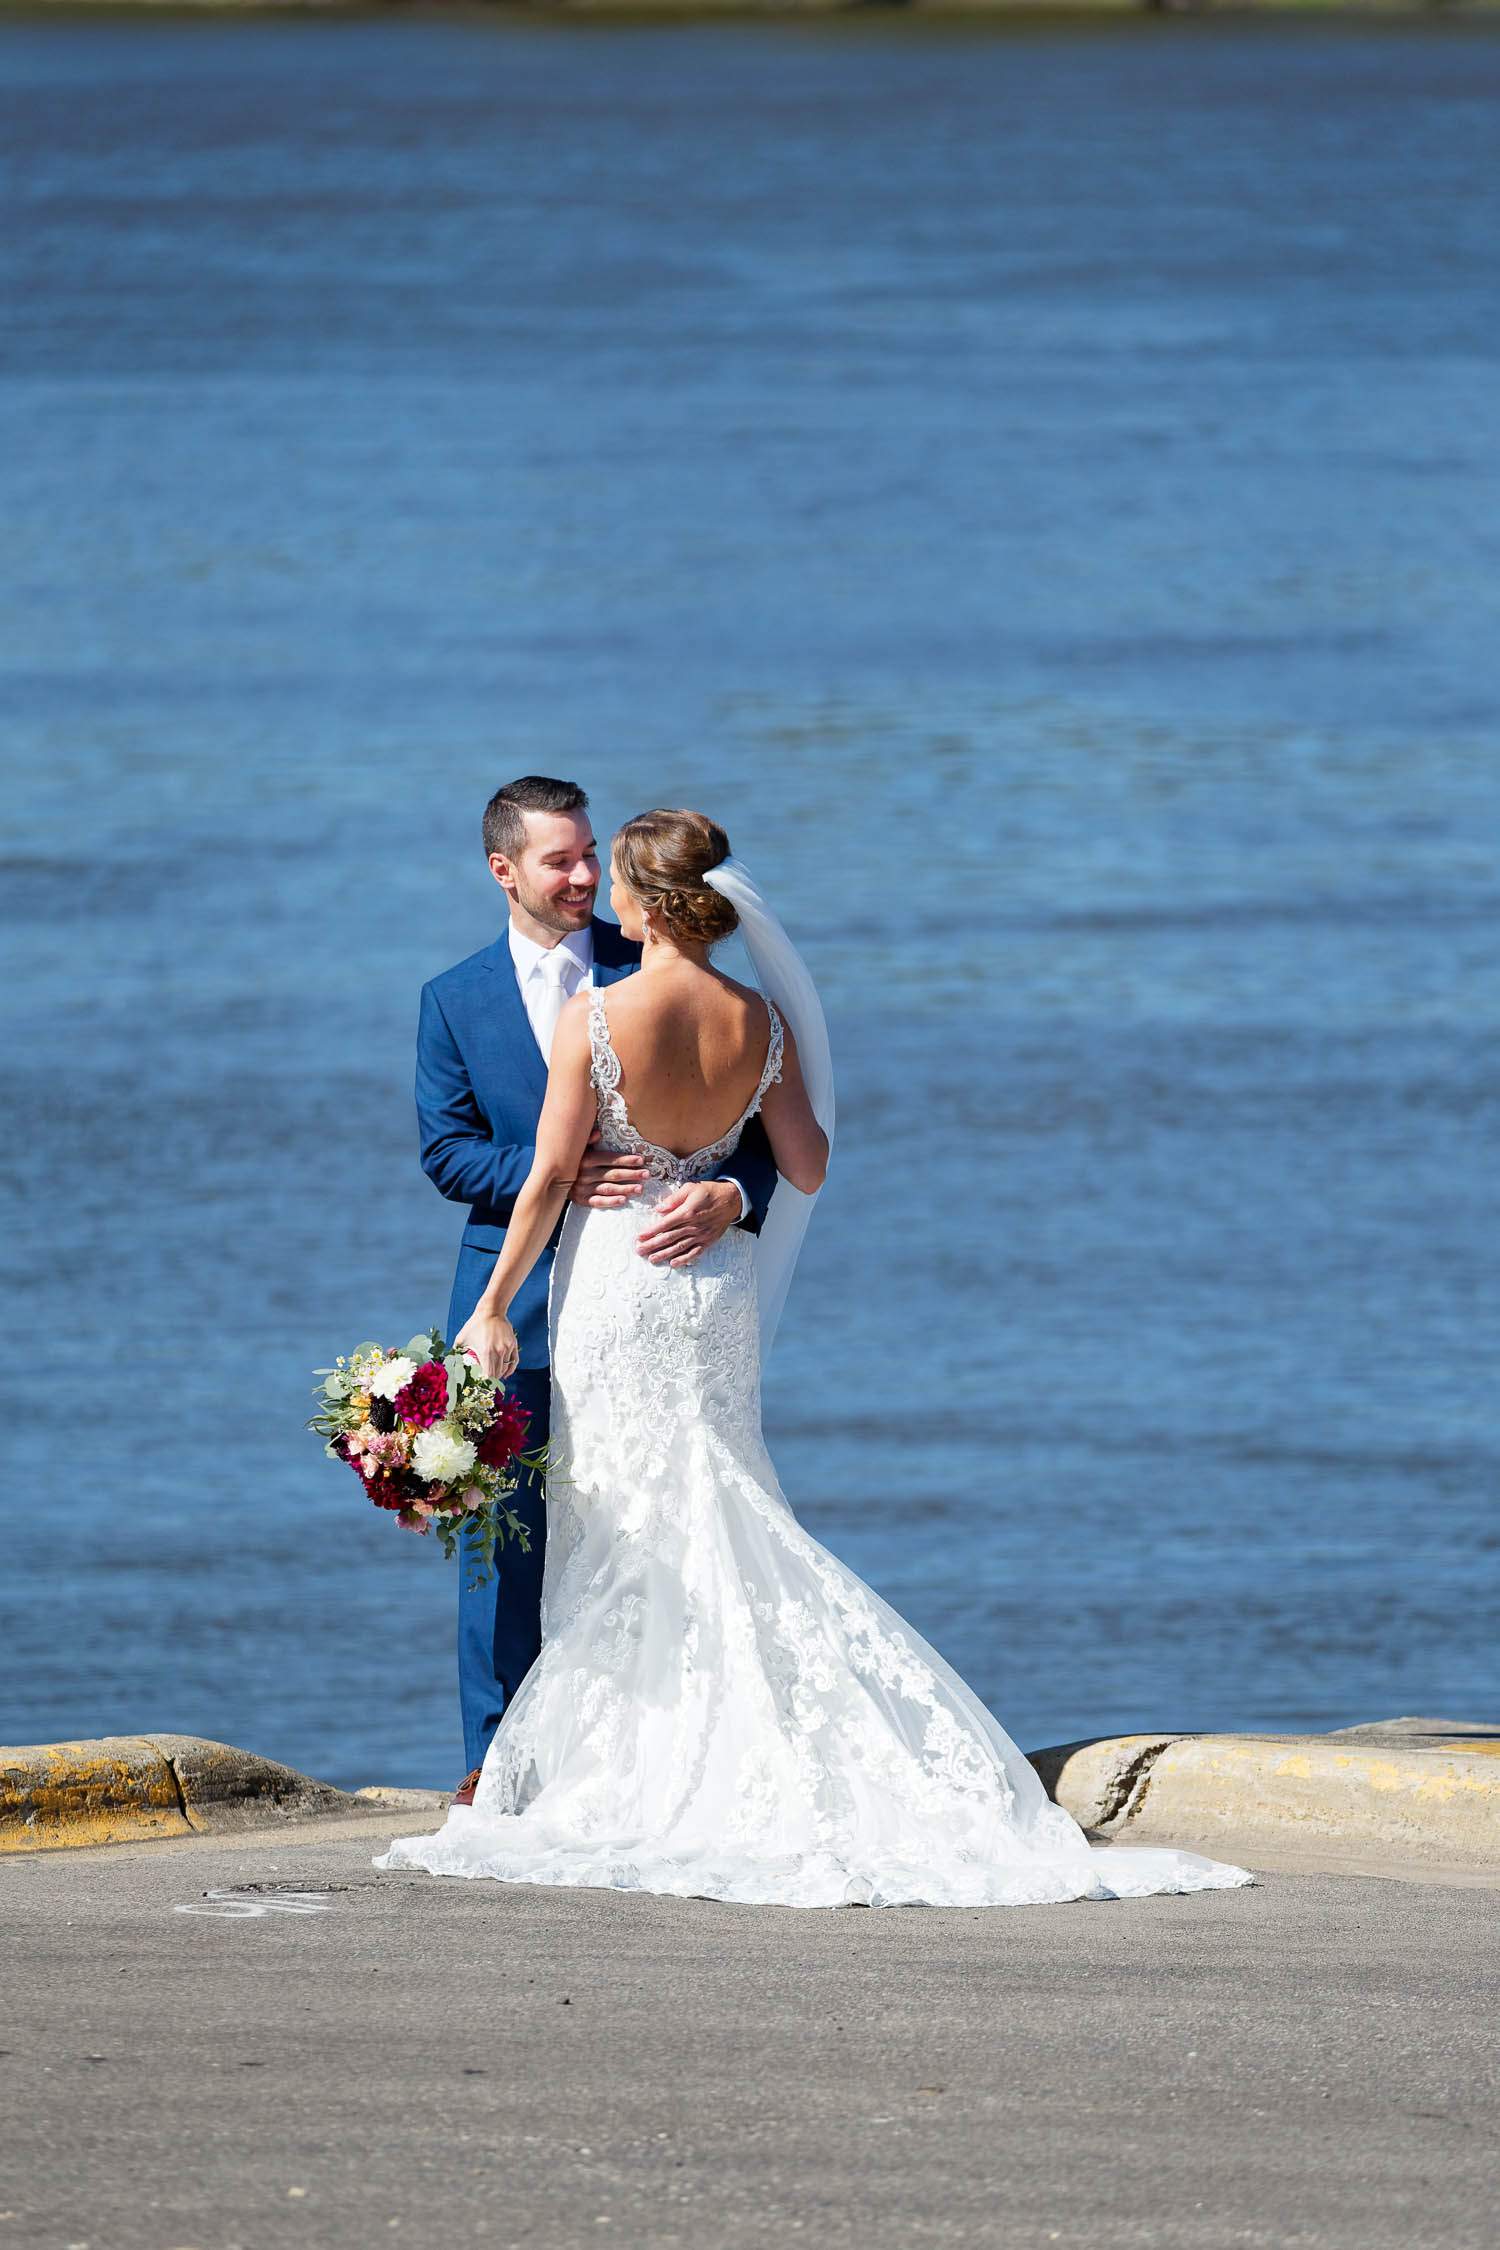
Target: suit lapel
column 513, row 1025
column 614, row 957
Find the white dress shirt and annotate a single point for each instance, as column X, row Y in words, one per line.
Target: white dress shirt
column 571, row 963
column 572, row 959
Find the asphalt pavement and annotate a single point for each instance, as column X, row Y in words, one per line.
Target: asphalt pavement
column 260, row 2041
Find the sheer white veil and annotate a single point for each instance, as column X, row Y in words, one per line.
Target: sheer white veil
column 783, row 976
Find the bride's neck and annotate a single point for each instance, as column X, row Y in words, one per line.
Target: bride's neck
column 666, row 953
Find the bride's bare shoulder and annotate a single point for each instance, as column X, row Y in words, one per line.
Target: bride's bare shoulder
column 743, row 992
column 734, row 986
column 642, row 997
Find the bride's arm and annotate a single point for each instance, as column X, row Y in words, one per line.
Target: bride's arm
column 798, row 1142
column 568, row 1117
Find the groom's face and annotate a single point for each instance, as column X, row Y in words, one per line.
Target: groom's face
column 553, row 879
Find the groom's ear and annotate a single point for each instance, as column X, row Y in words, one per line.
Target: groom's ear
column 502, row 870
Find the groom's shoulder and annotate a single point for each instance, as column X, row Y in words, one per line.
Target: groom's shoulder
column 612, row 948
column 462, row 973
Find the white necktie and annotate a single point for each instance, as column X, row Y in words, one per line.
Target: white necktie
column 556, row 972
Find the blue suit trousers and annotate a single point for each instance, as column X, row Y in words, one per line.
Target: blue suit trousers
column 499, row 1623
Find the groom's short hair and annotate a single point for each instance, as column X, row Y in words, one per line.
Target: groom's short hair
column 505, row 814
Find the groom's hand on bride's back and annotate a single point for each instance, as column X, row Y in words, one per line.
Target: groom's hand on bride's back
column 607, row 1177
column 690, row 1222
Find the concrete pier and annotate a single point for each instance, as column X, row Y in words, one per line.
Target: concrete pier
column 257, row 2040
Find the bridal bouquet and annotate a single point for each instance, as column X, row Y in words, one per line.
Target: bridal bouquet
column 431, row 1439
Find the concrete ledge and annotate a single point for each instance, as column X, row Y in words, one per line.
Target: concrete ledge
column 1412, row 1790
column 129, row 1787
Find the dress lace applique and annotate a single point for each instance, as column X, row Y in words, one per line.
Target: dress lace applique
column 616, row 1130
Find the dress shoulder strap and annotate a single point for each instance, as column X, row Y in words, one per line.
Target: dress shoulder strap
column 605, row 1071
column 771, row 1075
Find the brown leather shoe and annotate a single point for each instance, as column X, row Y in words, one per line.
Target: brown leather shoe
column 464, row 1793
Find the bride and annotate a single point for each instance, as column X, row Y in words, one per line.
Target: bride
column 720, row 1708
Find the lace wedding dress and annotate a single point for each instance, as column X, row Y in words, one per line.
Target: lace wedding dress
column 720, row 1708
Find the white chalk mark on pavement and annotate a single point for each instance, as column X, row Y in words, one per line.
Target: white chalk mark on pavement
column 240, row 1906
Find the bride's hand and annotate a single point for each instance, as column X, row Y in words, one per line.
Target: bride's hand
column 489, row 1337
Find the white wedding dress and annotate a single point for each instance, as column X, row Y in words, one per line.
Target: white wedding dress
column 720, row 1708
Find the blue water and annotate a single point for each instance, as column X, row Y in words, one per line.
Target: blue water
column 1038, row 488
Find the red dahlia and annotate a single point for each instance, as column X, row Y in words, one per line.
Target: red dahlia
column 424, row 1400
column 388, row 1491
column 506, row 1435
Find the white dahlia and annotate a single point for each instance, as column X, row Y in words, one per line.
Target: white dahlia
column 390, row 1376
column 441, row 1455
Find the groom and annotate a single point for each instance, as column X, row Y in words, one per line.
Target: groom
column 483, row 1040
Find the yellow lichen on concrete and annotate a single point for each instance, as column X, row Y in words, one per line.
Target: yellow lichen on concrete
column 122, row 1788
column 1427, row 1803
column 114, row 1790
column 1427, row 1800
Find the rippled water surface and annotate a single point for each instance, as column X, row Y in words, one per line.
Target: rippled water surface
column 1038, row 489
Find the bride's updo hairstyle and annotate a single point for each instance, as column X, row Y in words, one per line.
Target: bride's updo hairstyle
column 662, row 858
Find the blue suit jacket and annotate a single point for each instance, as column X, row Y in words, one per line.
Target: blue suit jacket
column 481, row 1081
